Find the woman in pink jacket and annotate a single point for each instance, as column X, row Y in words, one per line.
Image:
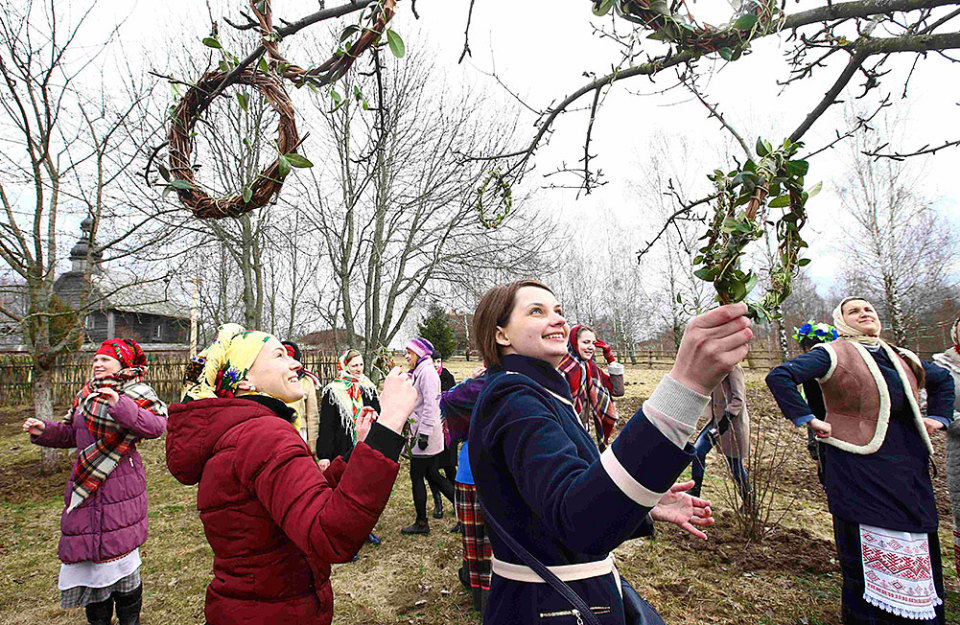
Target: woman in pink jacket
column 105, row 517
column 426, row 433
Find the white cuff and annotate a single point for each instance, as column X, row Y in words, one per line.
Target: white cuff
column 677, row 402
column 625, row 482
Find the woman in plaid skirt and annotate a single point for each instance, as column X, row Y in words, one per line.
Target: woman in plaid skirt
column 457, row 406
column 105, row 520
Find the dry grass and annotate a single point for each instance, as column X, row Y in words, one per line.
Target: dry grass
column 790, row 578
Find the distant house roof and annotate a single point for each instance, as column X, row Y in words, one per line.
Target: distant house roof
column 127, row 292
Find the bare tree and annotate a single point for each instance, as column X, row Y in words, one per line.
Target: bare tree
column 400, row 219
column 900, row 247
column 64, row 159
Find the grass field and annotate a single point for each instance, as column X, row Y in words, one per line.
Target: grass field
column 792, row 577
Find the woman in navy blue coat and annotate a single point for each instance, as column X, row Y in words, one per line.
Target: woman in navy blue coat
column 876, row 465
column 540, row 476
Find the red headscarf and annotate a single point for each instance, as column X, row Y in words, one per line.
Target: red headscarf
column 127, row 351
column 589, row 385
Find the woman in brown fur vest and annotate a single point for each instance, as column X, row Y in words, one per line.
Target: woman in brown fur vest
column 877, row 478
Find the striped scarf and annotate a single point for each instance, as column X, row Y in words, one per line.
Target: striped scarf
column 96, row 462
column 587, row 388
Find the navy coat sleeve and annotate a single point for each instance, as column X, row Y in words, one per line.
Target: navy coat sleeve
column 784, row 380
column 940, row 393
column 591, row 507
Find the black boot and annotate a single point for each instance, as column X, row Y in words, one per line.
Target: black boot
column 420, row 526
column 128, row 605
column 456, row 528
column 695, row 491
column 437, row 505
column 100, row 613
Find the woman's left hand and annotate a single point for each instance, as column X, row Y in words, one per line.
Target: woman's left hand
column 364, row 422
column 110, row 395
column 932, row 425
column 681, row 509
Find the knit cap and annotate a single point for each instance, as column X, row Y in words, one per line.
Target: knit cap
column 420, row 346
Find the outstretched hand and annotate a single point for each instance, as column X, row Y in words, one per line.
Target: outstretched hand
column 683, row 510
column 34, row 427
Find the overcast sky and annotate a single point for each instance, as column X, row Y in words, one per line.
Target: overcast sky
column 542, row 49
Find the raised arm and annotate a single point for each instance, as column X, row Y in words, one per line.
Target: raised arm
column 51, row 433
column 565, row 490
column 327, row 523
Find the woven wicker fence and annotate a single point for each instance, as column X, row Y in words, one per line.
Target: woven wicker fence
column 164, row 374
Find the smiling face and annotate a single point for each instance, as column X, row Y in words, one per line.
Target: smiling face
column 437, row 364
column 355, row 366
column 535, row 328
column 411, row 359
column 274, row 373
column 586, row 344
column 104, row 366
column 861, row 315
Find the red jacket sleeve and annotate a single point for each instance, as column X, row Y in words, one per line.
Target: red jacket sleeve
column 328, row 519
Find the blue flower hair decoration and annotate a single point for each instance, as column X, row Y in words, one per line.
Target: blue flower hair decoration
column 820, row 332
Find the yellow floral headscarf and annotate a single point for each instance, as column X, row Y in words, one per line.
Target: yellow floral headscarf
column 225, row 362
column 849, row 333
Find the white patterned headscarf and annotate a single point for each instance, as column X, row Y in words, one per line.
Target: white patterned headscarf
column 850, row 333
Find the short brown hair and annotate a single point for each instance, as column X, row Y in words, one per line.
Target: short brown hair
column 494, row 310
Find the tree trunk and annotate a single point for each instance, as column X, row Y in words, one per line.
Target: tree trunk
column 43, row 409
column 782, row 336
column 895, row 310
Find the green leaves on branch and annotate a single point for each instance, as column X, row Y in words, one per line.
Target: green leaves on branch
column 286, row 161
column 602, row 7
column 212, row 42
column 500, row 192
column 744, row 199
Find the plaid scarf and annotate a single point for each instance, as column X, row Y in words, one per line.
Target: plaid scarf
column 97, row 462
column 588, row 387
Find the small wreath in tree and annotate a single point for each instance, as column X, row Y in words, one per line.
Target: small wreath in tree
column 269, row 181
column 502, row 192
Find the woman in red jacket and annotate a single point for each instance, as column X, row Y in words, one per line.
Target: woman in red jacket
column 274, row 521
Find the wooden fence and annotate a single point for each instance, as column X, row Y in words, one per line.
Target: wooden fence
column 164, row 374
column 759, row 360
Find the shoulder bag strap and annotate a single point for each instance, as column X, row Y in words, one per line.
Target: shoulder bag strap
column 540, row 569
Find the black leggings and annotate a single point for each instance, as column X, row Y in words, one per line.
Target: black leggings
column 128, row 608
column 426, row 467
column 447, row 464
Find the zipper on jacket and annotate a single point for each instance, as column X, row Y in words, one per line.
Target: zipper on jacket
column 596, row 609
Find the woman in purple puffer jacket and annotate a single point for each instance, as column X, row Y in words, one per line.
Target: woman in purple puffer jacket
column 105, row 519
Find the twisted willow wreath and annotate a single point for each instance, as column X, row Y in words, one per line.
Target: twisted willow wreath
column 742, row 209
column 267, row 183
column 661, row 17
column 336, row 66
column 503, row 190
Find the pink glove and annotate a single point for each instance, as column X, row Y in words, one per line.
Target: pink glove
column 606, row 349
